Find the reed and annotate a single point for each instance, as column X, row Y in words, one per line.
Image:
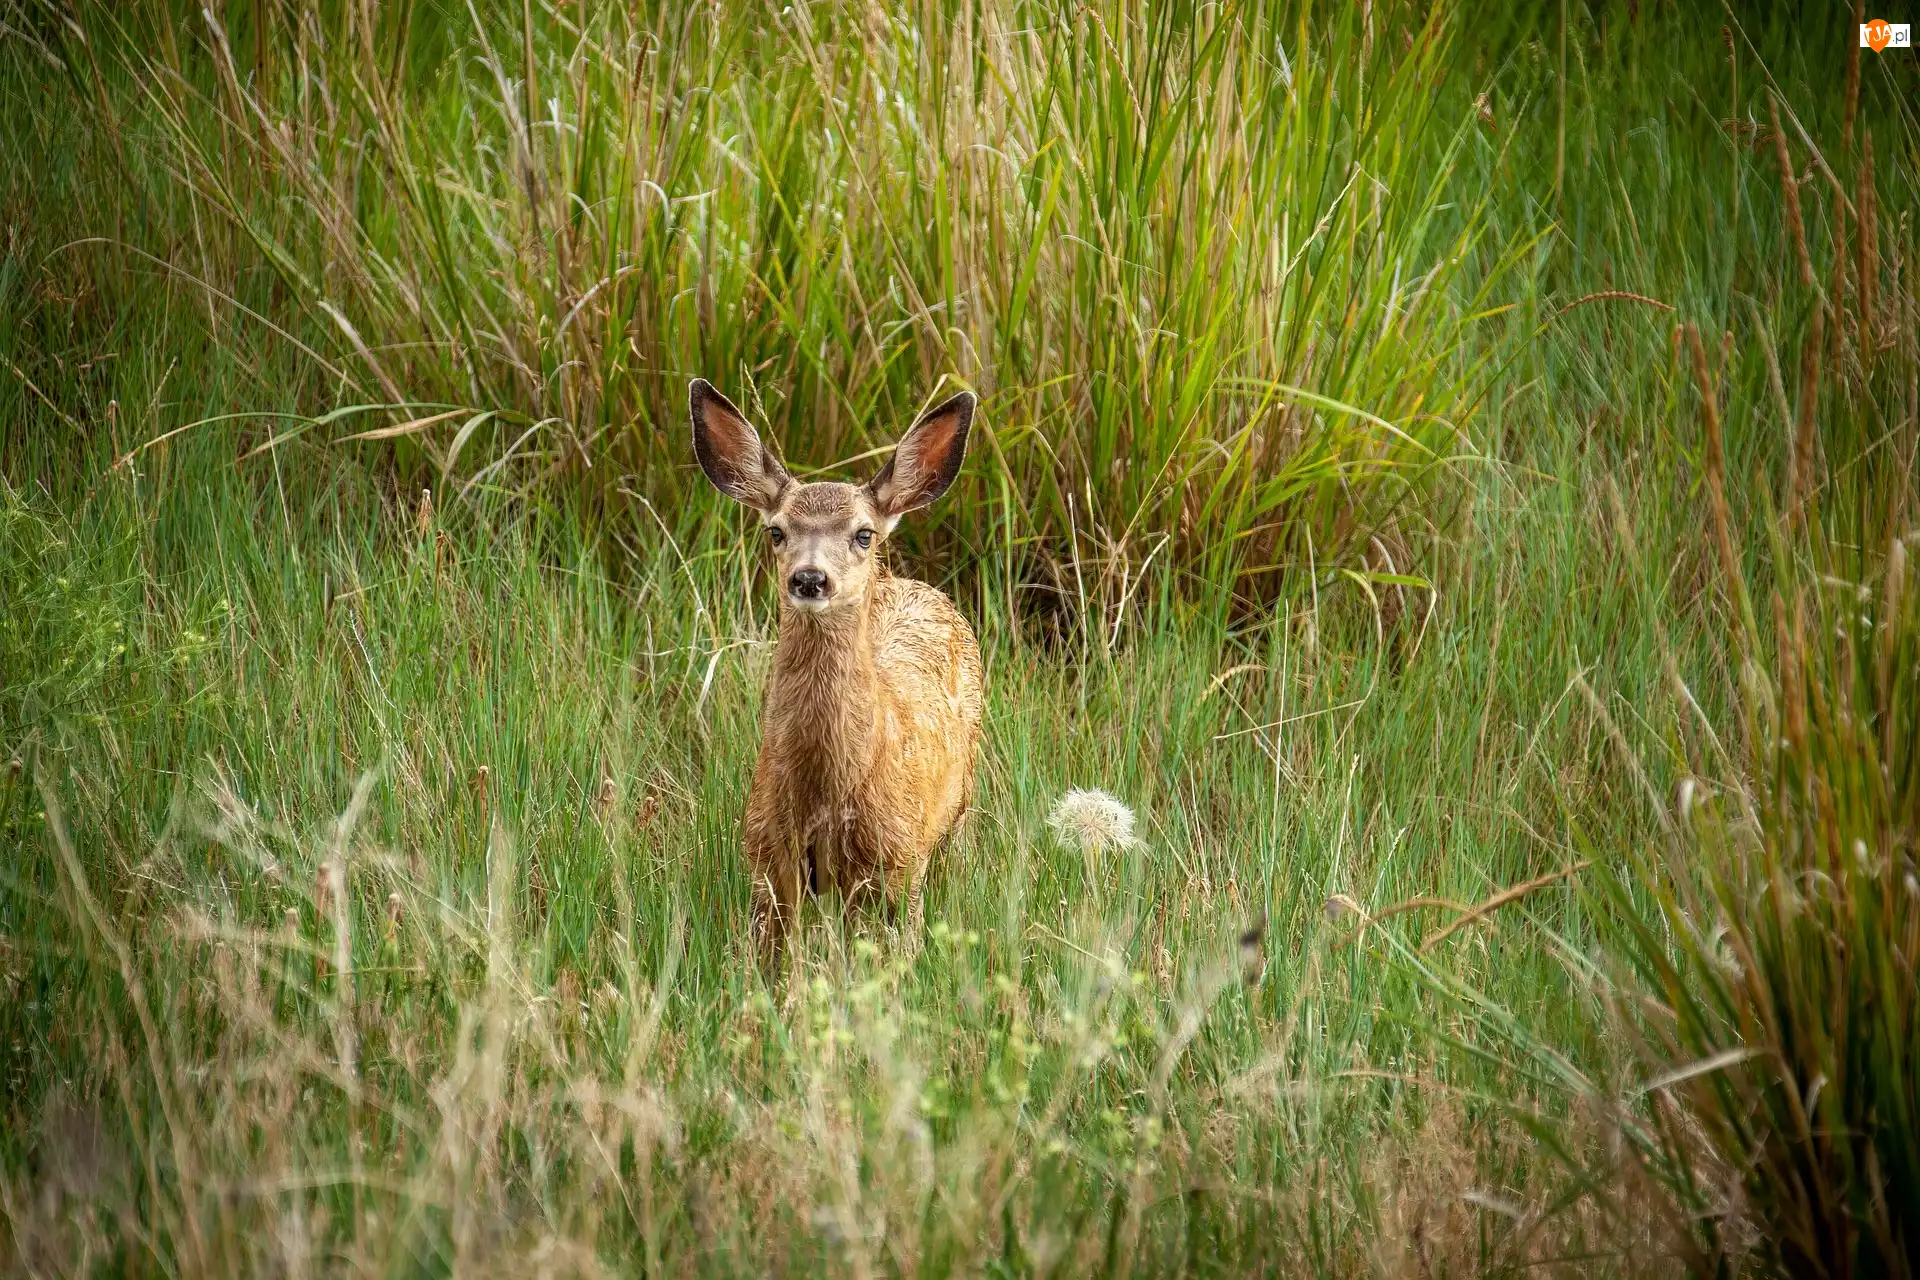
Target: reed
column 1714, row 470
column 1868, row 248
column 1790, row 196
column 1804, row 427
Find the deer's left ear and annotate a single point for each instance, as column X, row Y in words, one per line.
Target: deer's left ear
column 926, row 461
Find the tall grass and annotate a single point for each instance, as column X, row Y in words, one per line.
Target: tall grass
column 1222, row 273
column 373, row 900
column 1787, row 1027
column 1757, row 957
column 1766, row 1106
column 418, row 935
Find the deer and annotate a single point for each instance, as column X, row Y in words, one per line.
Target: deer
column 870, row 721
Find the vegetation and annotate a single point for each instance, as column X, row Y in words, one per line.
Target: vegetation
column 1452, row 476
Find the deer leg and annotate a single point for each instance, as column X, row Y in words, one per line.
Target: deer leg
column 776, row 906
column 960, row 823
column 906, row 909
column 916, row 921
column 907, row 916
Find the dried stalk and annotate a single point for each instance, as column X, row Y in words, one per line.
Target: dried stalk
column 1803, row 427
column 1866, row 242
column 1716, row 464
column 1853, row 74
column 1790, row 196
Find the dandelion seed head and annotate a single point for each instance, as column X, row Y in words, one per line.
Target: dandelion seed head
column 1092, row 821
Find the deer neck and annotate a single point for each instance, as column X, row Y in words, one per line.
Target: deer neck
column 824, row 699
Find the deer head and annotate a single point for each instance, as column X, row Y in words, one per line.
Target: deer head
column 824, row 535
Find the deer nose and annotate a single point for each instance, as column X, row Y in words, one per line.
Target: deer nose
column 808, row 584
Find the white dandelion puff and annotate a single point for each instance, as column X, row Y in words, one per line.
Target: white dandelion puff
column 1092, row 821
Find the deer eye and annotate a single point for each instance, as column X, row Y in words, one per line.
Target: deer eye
column 864, row 538
column 778, row 535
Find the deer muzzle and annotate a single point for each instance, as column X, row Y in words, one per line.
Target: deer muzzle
column 809, row 588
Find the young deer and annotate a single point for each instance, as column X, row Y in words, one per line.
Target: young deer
column 872, row 711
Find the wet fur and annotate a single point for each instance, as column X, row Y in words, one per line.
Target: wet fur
column 871, row 720
column 868, row 738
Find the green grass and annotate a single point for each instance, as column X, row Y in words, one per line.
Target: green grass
column 521, row 656
column 1309, row 518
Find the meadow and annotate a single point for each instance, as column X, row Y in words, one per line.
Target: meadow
column 1450, row 472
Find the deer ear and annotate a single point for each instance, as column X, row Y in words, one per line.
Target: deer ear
column 730, row 451
column 926, row 460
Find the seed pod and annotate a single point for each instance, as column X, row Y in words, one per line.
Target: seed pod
column 1866, row 241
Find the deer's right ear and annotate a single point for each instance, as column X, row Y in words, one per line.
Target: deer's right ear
column 730, row 451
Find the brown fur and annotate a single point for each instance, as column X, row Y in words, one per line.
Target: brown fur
column 872, row 713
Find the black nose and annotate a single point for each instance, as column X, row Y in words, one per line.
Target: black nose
column 808, row 584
